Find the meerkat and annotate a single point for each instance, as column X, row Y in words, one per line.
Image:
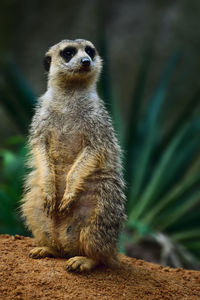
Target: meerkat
column 73, row 199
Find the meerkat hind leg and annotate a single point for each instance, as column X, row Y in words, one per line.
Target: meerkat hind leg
column 41, row 252
column 80, row 264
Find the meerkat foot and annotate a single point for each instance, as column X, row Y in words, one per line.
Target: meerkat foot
column 66, row 203
column 80, row 264
column 41, row 252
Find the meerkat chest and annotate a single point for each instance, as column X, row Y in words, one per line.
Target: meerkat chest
column 63, row 133
column 63, row 147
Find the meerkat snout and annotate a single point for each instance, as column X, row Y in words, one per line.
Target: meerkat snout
column 85, row 62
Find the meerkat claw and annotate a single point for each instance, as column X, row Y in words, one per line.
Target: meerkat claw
column 49, row 205
column 80, row 264
column 40, row 252
column 66, row 203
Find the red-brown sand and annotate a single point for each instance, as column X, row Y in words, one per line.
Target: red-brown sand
column 26, row 278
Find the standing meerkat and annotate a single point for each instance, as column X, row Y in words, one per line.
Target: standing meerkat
column 73, row 201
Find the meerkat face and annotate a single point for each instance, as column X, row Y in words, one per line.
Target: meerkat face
column 73, row 61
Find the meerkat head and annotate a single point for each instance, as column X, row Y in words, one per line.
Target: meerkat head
column 72, row 63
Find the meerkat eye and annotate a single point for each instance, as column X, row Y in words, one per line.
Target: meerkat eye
column 68, row 53
column 90, row 51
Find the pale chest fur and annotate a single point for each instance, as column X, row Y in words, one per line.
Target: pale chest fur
column 63, row 148
column 62, row 132
column 62, row 137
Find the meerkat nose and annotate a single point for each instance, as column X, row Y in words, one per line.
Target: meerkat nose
column 85, row 62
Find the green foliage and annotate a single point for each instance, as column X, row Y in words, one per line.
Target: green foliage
column 16, row 96
column 18, row 101
column 164, row 190
column 11, row 181
column 164, row 169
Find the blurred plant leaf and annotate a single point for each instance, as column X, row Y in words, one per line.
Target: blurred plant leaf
column 16, row 96
column 12, row 175
column 163, row 173
column 150, row 131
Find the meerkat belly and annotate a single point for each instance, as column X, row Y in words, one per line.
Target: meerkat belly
column 68, row 228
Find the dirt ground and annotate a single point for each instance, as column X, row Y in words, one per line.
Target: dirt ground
column 25, row 278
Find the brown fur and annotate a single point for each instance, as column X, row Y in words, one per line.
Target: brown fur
column 73, row 202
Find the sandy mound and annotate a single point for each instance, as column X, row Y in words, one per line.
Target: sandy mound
column 25, row 278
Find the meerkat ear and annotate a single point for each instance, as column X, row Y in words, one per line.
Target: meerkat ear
column 47, row 62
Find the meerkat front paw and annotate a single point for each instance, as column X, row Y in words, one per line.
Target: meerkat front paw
column 80, row 264
column 66, row 202
column 41, row 252
column 49, row 204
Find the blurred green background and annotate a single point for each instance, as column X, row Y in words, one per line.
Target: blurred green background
column 151, row 87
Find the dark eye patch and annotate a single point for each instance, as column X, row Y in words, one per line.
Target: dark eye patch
column 90, row 51
column 68, row 53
